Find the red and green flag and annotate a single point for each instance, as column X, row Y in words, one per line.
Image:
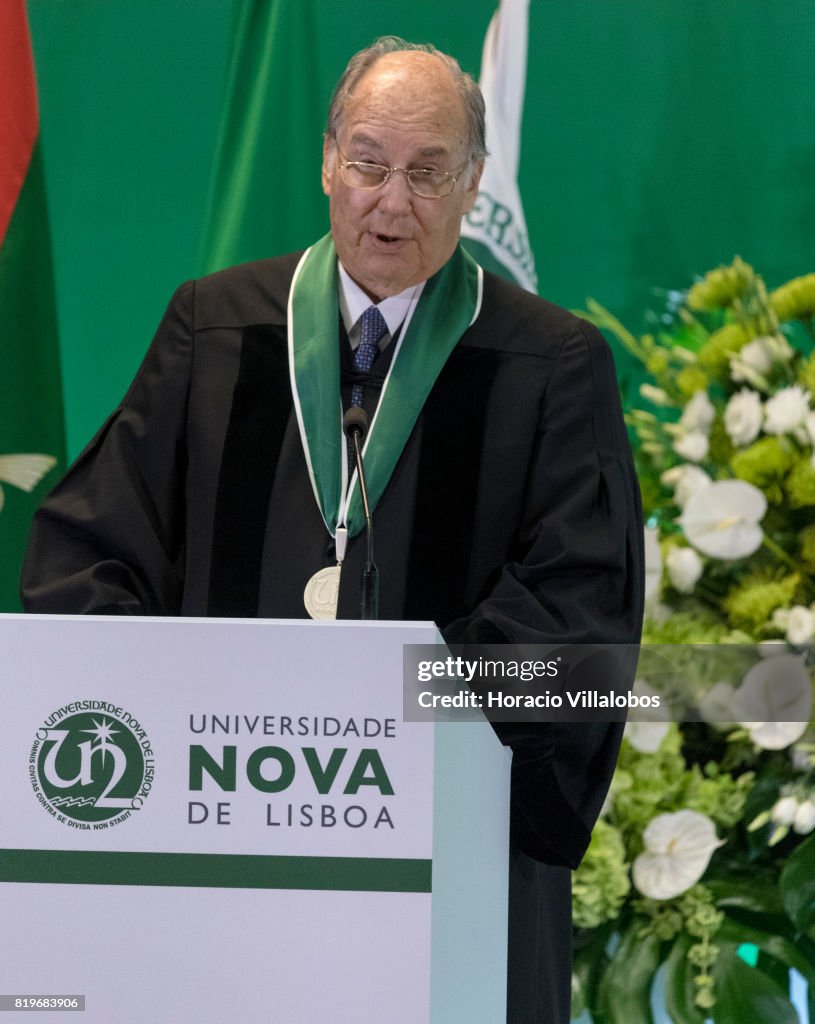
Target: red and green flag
column 31, row 422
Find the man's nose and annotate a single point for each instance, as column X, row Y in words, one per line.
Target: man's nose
column 395, row 194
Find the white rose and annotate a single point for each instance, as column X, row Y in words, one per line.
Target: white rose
column 647, row 732
column 780, row 618
column 693, row 446
column 646, row 737
column 742, row 417
column 783, row 810
column 800, row 624
column 699, row 414
column 684, row 568
column 692, row 481
column 758, row 357
column 804, row 821
column 786, row 410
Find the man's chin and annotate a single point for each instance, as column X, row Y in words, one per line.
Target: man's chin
column 380, row 279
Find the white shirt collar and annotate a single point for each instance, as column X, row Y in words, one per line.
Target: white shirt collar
column 354, row 302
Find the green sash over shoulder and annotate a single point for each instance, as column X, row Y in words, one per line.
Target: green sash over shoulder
column 449, row 303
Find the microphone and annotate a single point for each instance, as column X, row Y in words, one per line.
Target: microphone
column 355, row 427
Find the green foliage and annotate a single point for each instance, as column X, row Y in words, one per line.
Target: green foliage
column 801, row 483
column 765, row 464
column 601, row 883
column 751, row 605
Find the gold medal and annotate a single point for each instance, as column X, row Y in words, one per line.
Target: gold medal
column 322, row 593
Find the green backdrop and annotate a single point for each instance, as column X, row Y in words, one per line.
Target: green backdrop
column 660, row 138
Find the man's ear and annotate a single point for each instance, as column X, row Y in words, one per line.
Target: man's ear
column 471, row 189
column 329, row 163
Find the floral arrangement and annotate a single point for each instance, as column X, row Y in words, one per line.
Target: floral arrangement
column 701, row 870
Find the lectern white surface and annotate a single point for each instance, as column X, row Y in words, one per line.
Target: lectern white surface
column 229, row 820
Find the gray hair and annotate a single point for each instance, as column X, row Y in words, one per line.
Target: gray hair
column 468, row 89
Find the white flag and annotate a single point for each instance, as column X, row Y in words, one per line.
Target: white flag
column 496, row 222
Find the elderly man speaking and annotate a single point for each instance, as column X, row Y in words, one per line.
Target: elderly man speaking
column 498, row 465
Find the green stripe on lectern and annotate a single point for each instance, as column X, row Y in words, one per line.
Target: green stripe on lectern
column 216, row 870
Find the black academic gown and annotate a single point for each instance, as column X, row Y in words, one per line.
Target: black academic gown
column 512, row 515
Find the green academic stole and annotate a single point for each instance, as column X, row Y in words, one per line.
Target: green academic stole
column 449, row 303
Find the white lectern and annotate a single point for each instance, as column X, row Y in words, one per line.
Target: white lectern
column 229, row 820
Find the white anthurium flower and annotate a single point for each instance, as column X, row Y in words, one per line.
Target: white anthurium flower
column 698, row 414
column 716, row 707
column 787, row 410
column 804, row 821
column 800, row 625
column 684, row 569
column 774, row 701
column 646, row 735
column 721, row 520
column 742, row 417
column 678, row 848
column 653, row 562
column 692, row 446
column 769, row 648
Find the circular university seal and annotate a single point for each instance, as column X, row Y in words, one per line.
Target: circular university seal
column 93, row 765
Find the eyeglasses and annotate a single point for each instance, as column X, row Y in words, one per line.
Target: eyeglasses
column 421, row 181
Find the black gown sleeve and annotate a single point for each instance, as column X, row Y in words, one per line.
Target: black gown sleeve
column 579, row 581
column 109, row 538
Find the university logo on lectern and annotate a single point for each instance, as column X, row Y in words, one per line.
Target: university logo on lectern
column 91, row 764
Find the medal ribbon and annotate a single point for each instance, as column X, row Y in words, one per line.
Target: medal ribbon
column 449, row 303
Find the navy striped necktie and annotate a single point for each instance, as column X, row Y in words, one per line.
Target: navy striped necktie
column 373, row 329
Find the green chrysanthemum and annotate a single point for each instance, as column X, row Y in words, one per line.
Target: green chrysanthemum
column 795, row 300
column 765, row 464
column 601, row 883
column 717, row 794
column 806, row 541
column 715, row 354
column 751, row 605
column 800, row 484
column 690, row 380
column 650, row 783
column 657, row 363
column 721, row 287
column 806, row 374
column 698, row 625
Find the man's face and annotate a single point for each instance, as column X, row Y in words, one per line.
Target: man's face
column 404, row 112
